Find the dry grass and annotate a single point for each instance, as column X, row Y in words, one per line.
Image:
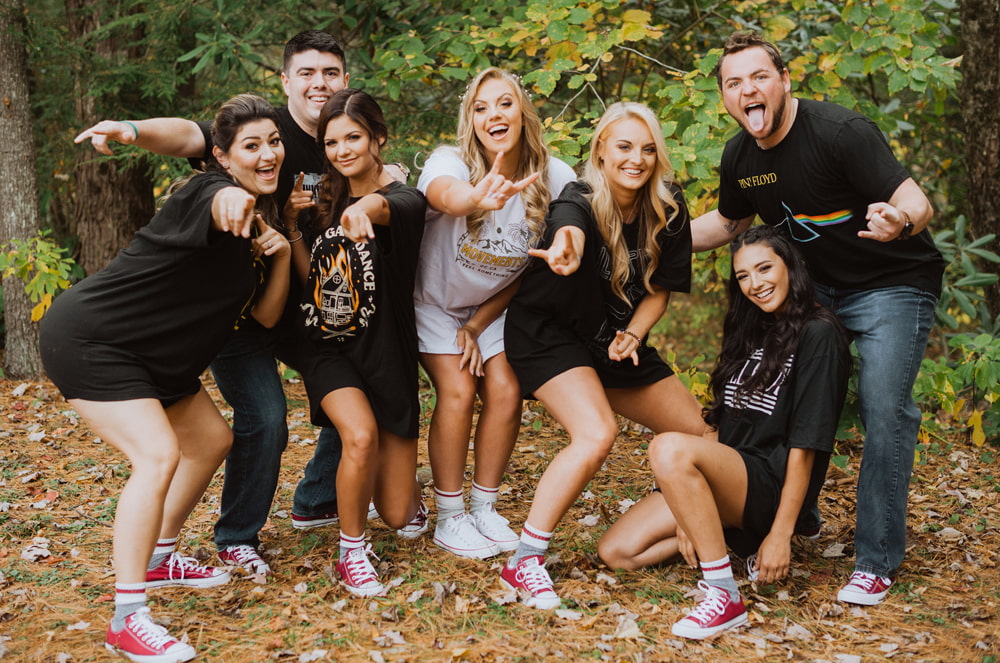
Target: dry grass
column 56, row 483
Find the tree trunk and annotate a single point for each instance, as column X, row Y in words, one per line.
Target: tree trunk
column 111, row 200
column 18, row 189
column 979, row 92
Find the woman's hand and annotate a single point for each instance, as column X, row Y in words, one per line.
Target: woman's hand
column 108, row 130
column 773, row 558
column 467, row 340
column 233, row 210
column 625, row 345
column 686, row 548
column 356, row 224
column 494, row 190
column 298, row 200
column 563, row 256
column 269, row 242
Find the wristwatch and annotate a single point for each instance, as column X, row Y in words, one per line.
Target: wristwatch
column 906, row 231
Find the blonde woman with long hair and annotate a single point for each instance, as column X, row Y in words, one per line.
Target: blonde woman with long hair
column 615, row 246
column 487, row 202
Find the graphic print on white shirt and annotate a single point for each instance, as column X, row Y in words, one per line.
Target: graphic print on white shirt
column 761, row 401
column 494, row 252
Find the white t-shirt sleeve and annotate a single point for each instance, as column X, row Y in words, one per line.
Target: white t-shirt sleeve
column 443, row 161
column 560, row 174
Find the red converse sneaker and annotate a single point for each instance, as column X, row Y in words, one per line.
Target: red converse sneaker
column 716, row 612
column 532, row 582
column 865, row 589
column 357, row 573
column 145, row 642
column 180, row 571
column 417, row 526
column 245, row 557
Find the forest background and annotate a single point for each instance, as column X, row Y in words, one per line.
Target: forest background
column 927, row 71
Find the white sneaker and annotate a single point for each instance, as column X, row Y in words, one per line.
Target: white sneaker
column 417, row 526
column 494, row 528
column 459, row 536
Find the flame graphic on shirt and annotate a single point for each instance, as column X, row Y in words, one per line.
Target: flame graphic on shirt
column 334, row 295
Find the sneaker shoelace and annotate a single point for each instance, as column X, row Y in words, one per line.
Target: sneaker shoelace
column 184, row 565
column 864, row 581
column 534, row 577
column 359, row 568
column 752, row 571
column 151, row 634
column 713, row 604
column 244, row 554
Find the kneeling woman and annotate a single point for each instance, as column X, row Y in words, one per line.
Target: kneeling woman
column 127, row 345
column 360, row 364
column 778, row 390
column 619, row 243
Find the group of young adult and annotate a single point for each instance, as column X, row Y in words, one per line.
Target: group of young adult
column 504, row 278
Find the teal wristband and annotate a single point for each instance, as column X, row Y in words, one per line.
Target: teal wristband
column 135, row 129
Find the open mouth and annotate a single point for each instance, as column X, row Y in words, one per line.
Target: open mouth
column 755, row 116
column 499, row 131
column 765, row 294
column 267, row 173
column 632, row 172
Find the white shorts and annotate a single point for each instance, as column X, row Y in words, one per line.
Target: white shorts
column 437, row 327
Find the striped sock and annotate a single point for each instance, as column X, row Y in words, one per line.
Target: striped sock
column 448, row 504
column 348, row 543
column 720, row 574
column 164, row 548
column 533, row 542
column 128, row 599
column 481, row 497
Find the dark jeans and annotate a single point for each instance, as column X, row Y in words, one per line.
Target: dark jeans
column 247, row 376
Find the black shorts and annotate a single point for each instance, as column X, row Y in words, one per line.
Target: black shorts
column 95, row 371
column 393, row 398
column 763, row 498
column 538, row 359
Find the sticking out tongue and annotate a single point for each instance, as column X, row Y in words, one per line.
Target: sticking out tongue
column 755, row 117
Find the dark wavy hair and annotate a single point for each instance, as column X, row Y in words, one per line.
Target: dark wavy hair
column 359, row 106
column 747, row 327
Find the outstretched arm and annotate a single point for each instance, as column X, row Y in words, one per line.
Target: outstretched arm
column 775, row 553
column 711, row 230
column 169, row 136
column 908, row 204
column 459, row 198
column 566, row 251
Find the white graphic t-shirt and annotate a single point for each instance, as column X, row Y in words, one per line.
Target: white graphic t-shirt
column 458, row 272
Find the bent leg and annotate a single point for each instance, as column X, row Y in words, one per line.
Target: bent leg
column 663, row 406
column 499, row 421
column 141, row 430
column 396, row 492
column 577, row 401
column 705, row 486
column 645, row 535
column 349, row 410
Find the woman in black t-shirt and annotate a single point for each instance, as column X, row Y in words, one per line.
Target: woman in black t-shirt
column 618, row 244
column 360, row 361
column 127, row 345
column 778, row 390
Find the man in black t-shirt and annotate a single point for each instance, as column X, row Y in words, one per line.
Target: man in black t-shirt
column 828, row 176
column 314, row 69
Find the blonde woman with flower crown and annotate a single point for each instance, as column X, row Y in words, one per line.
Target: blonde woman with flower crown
column 487, row 202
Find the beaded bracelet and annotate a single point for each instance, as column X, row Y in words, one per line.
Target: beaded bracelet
column 631, row 333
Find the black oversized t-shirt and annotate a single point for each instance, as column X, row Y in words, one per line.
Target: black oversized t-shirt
column 818, row 182
column 584, row 300
column 358, row 299
column 172, row 297
column 800, row 410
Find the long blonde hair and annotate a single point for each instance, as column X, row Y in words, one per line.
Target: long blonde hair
column 651, row 204
column 534, row 154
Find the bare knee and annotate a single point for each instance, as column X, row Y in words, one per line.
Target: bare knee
column 616, row 554
column 670, row 454
column 593, row 445
column 360, row 447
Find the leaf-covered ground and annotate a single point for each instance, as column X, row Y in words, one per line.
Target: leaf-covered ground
column 58, row 488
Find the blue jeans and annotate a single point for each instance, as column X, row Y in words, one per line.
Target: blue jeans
column 890, row 328
column 316, row 494
column 247, row 376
